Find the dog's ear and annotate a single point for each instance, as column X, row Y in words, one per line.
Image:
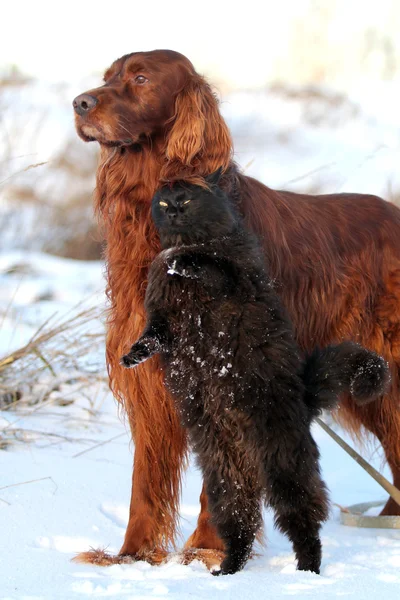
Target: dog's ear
column 213, row 178
column 199, row 137
column 186, row 137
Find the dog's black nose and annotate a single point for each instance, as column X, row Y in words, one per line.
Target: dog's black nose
column 84, row 103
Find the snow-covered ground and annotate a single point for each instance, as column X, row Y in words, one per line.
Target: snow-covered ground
column 65, row 487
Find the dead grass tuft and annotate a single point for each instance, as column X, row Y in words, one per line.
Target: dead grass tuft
column 62, row 361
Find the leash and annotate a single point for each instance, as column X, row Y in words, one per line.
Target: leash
column 383, row 482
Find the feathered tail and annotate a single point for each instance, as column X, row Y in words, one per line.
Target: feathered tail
column 346, row 367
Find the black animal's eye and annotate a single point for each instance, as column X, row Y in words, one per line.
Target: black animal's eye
column 187, row 201
column 162, row 203
column 140, row 79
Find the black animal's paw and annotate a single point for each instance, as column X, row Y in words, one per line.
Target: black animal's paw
column 229, row 566
column 309, row 557
column 313, row 566
column 138, row 354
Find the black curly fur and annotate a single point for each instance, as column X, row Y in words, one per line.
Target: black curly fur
column 234, row 368
column 346, row 367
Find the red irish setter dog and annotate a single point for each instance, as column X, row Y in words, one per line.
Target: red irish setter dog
column 336, row 260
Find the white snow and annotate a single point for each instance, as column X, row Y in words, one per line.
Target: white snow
column 171, row 269
column 74, row 470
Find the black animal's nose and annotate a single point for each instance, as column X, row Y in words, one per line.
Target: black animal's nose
column 84, row 104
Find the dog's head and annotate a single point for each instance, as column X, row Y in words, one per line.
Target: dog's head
column 156, row 95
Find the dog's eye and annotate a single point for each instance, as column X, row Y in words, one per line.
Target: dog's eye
column 187, row 201
column 162, row 203
column 140, row 79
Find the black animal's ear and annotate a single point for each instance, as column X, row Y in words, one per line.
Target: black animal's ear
column 162, row 190
column 156, row 196
column 213, row 178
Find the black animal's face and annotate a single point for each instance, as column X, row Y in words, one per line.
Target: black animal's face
column 171, row 209
column 186, row 213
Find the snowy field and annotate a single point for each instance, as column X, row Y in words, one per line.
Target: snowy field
column 65, row 487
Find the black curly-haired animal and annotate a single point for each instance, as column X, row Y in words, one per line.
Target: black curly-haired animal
column 241, row 387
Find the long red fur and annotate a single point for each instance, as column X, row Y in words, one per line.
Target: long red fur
column 336, row 261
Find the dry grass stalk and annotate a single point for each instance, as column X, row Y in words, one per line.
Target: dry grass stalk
column 63, row 361
column 58, row 354
column 26, row 482
column 42, row 336
column 115, row 437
